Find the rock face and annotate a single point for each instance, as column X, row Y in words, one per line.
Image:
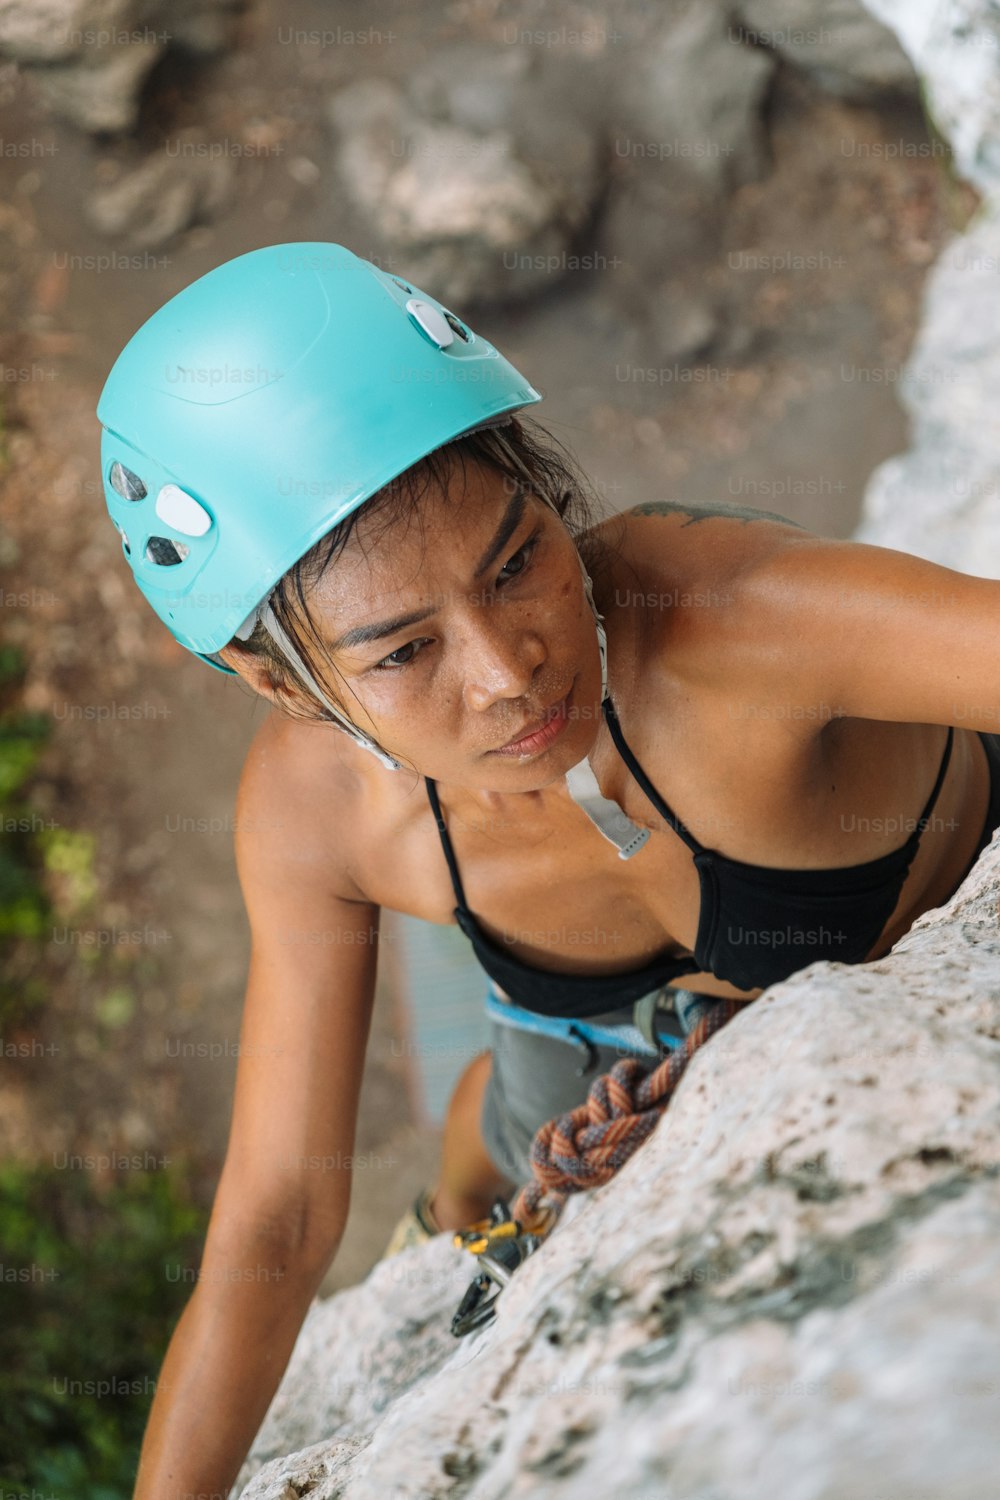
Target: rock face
column 839, row 44
column 467, row 185
column 472, row 187
column 698, row 86
column 90, row 58
column 793, row 1288
column 155, row 201
column 941, row 499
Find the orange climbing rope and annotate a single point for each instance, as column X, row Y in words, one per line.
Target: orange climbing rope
column 574, row 1152
column 586, row 1147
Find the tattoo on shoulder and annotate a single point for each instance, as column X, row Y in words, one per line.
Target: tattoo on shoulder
column 703, row 512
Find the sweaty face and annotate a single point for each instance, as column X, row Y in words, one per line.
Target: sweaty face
column 463, row 629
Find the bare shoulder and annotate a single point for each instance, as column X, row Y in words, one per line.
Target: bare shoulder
column 705, row 544
column 297, row 807
column 678, row 582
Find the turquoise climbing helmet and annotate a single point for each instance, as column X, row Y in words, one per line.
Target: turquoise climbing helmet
column 263, row 404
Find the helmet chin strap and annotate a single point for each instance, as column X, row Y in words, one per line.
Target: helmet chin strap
column 270, row 622
column 602, row 635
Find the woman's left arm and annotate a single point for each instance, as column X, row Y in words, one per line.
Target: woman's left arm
column 876, row 633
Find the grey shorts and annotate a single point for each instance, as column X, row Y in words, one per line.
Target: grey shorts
column 534, row 1078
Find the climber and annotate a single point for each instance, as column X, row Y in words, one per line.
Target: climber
column 326, row 484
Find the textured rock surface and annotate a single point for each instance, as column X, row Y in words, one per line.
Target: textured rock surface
column 90, row 58
column 472, row 189
column 696, row 85
column 942, row 498
column 155, row 201
column 839, row 43
column 793, row 1288
column 955, row 48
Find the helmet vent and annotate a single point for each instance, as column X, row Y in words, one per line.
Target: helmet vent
column 456, row 326
column 125, row 483
column 403, row 285
column 167, row 553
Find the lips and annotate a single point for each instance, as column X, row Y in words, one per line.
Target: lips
column 535, row 726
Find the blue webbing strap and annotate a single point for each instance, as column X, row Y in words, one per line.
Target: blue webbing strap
column 623, row 1038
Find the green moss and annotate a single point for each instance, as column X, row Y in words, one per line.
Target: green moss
column 86, row 1313
column 25, row 909
column 70, row 853
column 116, row 1008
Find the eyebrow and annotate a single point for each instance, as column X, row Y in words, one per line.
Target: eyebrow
column 364, row 635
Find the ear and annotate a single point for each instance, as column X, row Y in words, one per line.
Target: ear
column 254, row 671
column 291, row 698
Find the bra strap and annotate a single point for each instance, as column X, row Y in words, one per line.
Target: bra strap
column 644, row 781
column 449, row 853
column 942, row 772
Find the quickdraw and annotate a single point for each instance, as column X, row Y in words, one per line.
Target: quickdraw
column 501, row 1243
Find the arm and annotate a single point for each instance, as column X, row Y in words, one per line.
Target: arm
column 282, row 1200
column 878, row 633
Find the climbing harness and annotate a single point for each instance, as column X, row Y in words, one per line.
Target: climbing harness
column 660, row 1022
column 578, row 1151
column 583, row 1034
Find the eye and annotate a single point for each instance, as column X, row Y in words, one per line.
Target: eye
column 392, row 660
column 389, row 663
column 524, row 553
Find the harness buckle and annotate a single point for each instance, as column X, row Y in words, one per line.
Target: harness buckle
column 667, row 1015
column 655, row 1015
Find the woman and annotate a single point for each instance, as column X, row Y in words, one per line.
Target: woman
column 295, row 454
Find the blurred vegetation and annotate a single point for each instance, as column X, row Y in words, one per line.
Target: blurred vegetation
column 92, row 1282
column 95, row 1269
column 39, row 861
column 25, row 910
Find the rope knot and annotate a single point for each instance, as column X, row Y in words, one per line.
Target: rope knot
column 588, row 1145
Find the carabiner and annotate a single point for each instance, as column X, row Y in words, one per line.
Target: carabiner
column 501, row 1244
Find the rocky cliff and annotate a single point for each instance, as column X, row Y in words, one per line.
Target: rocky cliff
column 792, row 1289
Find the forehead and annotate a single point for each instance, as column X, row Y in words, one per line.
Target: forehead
column 414, row 545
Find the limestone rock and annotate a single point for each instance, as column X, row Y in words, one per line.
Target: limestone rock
column 684, row 129
column 941, row 499
column 48, row 30
column 99, row 90
column 955, row 48
column 166, row 194
column 793, row 1288
column 694, row 98
column 837, row 42
column 476, row 194
column 90, row 58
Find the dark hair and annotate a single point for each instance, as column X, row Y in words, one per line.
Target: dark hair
column 522, row 450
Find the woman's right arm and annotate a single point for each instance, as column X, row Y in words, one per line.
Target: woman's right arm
column 281, row 1205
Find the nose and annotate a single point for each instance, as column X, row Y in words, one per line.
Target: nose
column 500, row 658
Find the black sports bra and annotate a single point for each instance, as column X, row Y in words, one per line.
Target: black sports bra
column 757, row 924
